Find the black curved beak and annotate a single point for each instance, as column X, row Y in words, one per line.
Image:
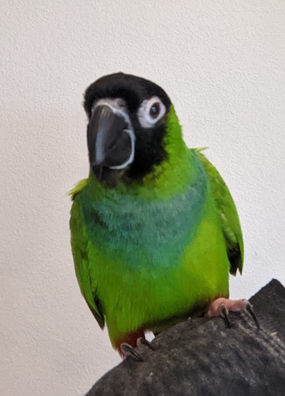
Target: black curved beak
column 110, row 140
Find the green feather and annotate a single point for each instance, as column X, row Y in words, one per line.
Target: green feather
column 228, row 215
column 81, row 248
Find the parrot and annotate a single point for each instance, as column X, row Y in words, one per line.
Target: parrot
column 155, row 232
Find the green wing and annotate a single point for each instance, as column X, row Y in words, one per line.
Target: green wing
column 80, row 250
column 228, row 213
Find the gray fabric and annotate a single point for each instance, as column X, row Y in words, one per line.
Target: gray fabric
column 203, row 357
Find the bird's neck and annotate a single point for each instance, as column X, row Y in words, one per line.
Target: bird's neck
column 170, row 178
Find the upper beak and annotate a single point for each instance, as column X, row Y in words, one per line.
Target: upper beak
column 110, row 140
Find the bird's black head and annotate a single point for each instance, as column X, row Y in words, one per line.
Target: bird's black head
column 127, row 125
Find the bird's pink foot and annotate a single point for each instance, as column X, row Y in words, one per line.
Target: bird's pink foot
column 222, row 306
column 216, row 306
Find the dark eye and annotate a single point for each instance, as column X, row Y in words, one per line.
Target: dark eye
column 150, row 112
column 154, row 110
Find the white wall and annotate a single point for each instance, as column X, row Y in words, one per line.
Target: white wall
column 222, row 63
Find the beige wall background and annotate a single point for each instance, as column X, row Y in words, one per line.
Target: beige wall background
column 222, row 63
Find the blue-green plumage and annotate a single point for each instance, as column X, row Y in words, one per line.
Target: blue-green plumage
column 124, row 223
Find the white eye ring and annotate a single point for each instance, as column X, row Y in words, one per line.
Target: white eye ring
column 150, row 112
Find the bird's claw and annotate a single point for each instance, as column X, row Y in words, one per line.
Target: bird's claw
column 128, row 350
column 249, row 309
column 225, row 315
column 222, row 307
column 143, row 341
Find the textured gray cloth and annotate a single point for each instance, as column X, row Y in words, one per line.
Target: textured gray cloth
column 205, row 358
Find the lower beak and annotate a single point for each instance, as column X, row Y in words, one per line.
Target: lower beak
column 110, row 140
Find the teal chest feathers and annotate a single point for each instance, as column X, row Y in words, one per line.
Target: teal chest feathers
column 147, row 232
